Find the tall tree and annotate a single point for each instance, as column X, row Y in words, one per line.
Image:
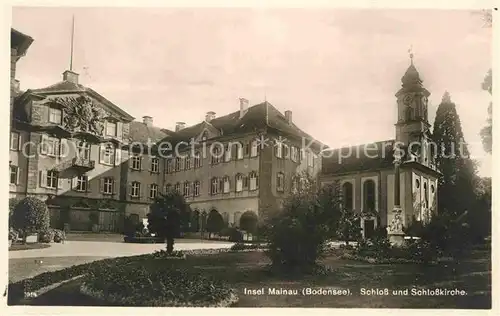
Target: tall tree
column 486, row 131
column 456, row 185
column 165, row 216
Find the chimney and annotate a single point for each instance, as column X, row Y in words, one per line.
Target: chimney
column 243, row 107
column 147, row 120
column 179, row 126
column 16, row 86
column 288, row 115
column 70, row 76
column 210, row 116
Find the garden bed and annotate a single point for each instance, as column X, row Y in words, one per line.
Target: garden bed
column 162, row 285
column 18, row 247
column 374, row 260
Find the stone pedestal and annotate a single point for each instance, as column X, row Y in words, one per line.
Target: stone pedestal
column 396, row 239
column 395, row 228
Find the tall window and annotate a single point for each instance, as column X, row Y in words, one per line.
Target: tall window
column 177, row 187
column 178, row 163
column 107, row 154
column 280, row 182
column 226, row 184
column 197, row 160
column 14, row 171
column 187, row 163
column 135, row 189
column 253, row 181
column 14, row 140
column 168, row 187
column 50, row 146
column 310, row 159
column 294, row 154
column 227, row 153
column 107, row 186
column 136, row 162
column 110, row 129
column 55, row 116
column 153, row 191
column 170, row 165
column 295, row 184
column 279, row 150
column 239, row 151
column 369, row 195
column 83, row 150
column 216, row 154
column 155, row 164
column 239, row 182
column 187, row 189
column 214, row 186
column 81, row 183
column 196, row 188
column 254, row 151
column 426, row 196
column 347, row 192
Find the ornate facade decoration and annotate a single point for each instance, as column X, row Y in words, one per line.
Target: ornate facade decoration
column 82, row 115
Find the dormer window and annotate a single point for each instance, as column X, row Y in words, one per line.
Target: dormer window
column 55, row 115
column 110, row 129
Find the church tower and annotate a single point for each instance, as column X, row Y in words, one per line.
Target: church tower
column 413, row 127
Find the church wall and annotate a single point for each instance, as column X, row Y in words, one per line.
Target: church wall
column 404, row 176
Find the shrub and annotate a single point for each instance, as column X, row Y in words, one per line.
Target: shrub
column 164, row 218
column 242, row 246
column 59, row 235
column 46, row 236
column 31, row 215
column 233, row 233
column 13, row 234
column 248, row 222
column 349, row 226
column 297, row 234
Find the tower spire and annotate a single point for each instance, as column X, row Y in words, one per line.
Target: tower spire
column 72, row 43
column 410, row 51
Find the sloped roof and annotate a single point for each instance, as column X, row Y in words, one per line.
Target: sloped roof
column 20, row 41
column 258, row 117
column 365, row 157
column 71, row 87
column 140, row 132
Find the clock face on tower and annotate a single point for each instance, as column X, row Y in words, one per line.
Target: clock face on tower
column 407, row 99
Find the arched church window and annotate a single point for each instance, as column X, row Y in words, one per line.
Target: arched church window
column 369, row 195
column 347, row 192
column 410, row 113
column 426, row 196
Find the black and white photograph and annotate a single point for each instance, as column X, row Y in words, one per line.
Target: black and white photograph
column 249, row 156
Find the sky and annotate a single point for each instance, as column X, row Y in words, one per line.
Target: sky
column 337, row 70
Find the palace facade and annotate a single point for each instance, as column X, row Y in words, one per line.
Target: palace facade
column 94, row 164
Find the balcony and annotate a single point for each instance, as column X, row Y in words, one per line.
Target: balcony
column 82, row 163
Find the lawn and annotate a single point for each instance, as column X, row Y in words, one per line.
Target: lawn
column 248, row 271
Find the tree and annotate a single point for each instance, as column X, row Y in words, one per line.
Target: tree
column 215, row 223
column 486, row 131
column 12, row 205
column 31, row 215
column 297, row 233
column 349, row 226
column 164, row 218
column 248, row 222
column 456, row 185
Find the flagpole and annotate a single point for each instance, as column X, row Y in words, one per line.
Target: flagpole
column 72, row 40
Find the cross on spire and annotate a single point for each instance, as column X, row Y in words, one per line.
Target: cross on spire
column 410, row 51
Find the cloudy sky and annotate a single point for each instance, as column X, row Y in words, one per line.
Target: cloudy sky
column 336, row 69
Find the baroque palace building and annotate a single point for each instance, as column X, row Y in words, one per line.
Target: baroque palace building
column 94, row 165
column 393, row 182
